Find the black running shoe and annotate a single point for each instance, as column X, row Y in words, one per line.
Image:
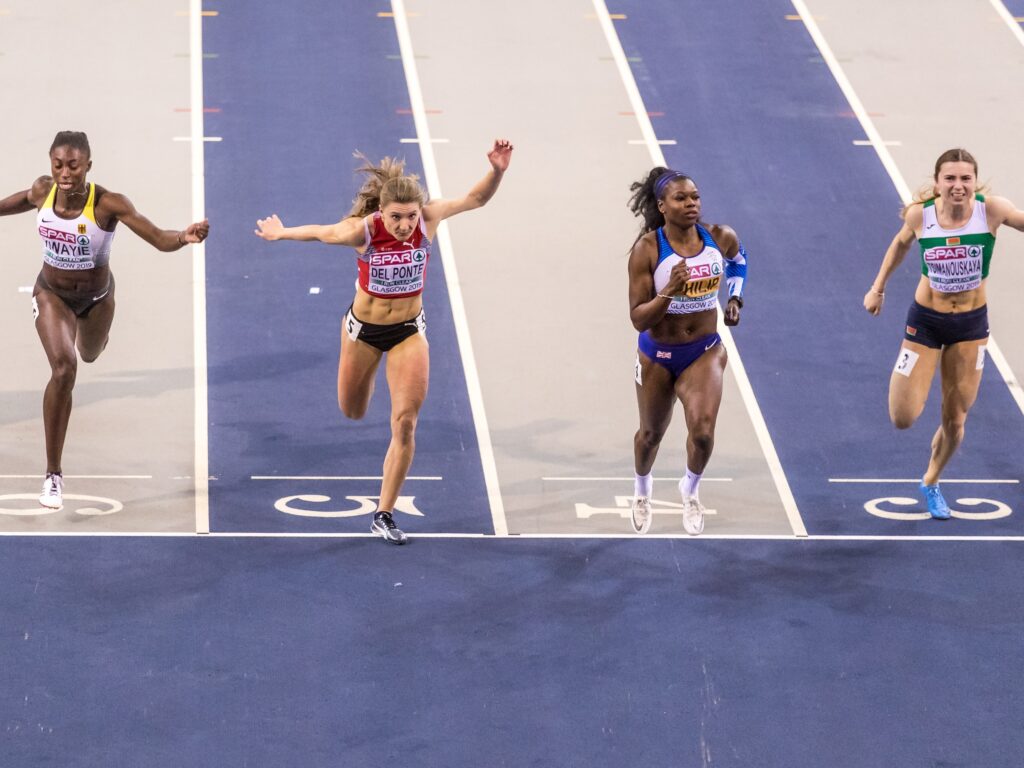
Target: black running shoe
column 384, row 524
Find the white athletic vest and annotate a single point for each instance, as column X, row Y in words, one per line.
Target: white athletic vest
column 701, row 292
column 956, row 260
column 73, row 243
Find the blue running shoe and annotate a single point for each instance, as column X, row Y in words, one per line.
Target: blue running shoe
column 937, row 506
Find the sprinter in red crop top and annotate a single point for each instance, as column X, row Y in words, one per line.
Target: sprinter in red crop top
column 391, row 226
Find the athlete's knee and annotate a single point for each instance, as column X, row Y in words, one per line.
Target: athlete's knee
column 351, row 410
column 902, row 420
column 903, row 417
column 649, row 438
column 90, row 355
column 953, row 423
column 63, row 372
column 403, row 425
column 703, row 438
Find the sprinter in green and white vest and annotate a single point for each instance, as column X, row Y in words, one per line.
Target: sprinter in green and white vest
column 955, row 226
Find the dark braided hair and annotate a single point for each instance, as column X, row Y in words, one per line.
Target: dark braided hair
column 646, row 195
column 74, row 139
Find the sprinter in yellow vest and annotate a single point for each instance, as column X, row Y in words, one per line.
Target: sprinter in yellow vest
column 948, row 321
column 73, row 299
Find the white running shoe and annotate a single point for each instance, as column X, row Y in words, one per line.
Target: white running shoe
column 693, row 516
column 52, row 496
column 641, row 514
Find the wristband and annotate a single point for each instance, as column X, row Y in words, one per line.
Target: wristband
column 664, row 296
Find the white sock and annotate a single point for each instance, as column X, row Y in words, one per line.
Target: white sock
column 643, row 485
column 688, row 485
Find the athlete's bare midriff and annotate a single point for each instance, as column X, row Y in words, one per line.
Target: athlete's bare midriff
column 378, row 311
column 963, row 301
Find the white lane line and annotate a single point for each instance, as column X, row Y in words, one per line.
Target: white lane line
column 631, row 479
column 1001, row 363
column 201, row 470
column 533, row 536
column 909, row 480
column 197, row 139
column 736, row 364
column 476, row 399
column 334, row 477
column 1011, row 22
column 38, row 476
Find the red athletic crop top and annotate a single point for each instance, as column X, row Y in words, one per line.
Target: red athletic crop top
column 390, row 268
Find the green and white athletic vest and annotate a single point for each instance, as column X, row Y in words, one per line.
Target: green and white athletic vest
column 956, row 260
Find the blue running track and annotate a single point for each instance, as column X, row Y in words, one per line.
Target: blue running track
column 299, row 89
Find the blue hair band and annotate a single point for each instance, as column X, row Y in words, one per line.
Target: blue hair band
column 664, row 179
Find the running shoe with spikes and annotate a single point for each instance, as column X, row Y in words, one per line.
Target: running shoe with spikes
column 693, row 515
column 52, row 496
column 384, row 525
column 937, row 506
column 641, row 514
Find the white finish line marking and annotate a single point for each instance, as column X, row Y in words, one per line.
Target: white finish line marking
column 333, row 477
column 506, row 537
column 630, row 479
column 908, row 480
column 80, row 477
column 197, row 140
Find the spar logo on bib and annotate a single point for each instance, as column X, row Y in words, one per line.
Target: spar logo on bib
column 65, row 246
column 947, row 252
column 397, row 272
column 398, row 258
column 704, row 279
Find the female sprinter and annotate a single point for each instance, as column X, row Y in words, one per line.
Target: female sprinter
column 675, row 270
column 947, row 324
column 391, row 227
column 73, row 298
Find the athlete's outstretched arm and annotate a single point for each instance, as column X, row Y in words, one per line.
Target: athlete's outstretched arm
column 1006, row 212
column 894, row 255
column 161, row 239
column 499, row 157
column 348, row 231
column 27, row 200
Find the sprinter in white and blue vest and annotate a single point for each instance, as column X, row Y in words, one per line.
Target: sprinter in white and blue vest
column 947, row 325
column 73, row 298
column 676, row 267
